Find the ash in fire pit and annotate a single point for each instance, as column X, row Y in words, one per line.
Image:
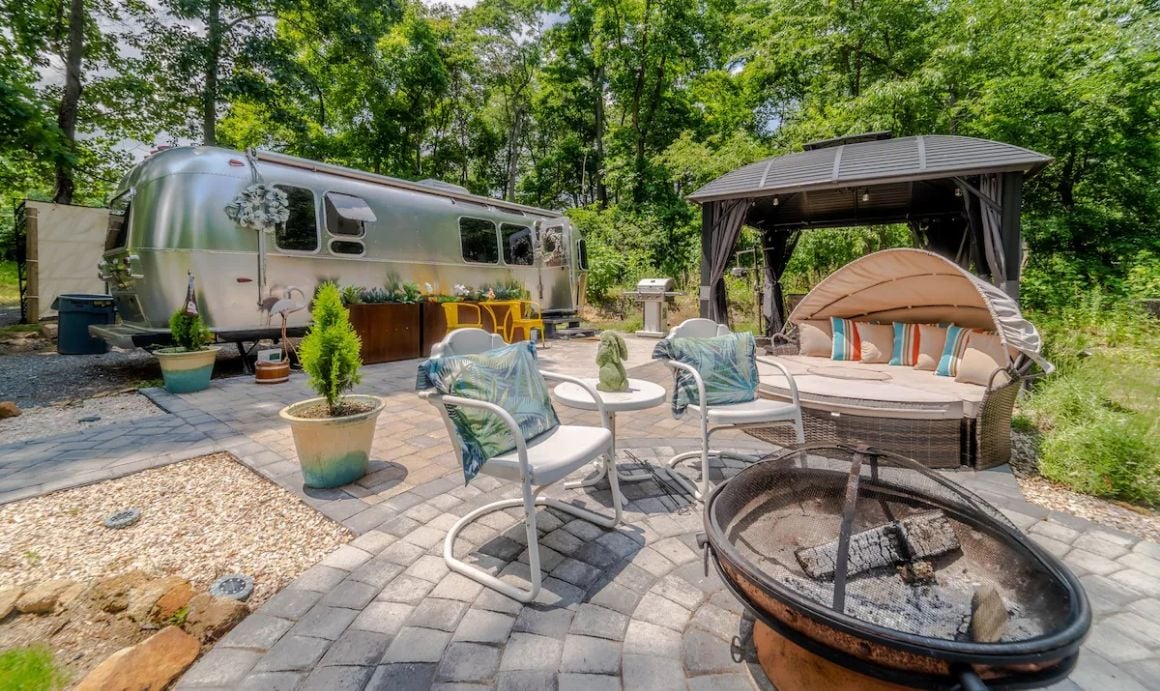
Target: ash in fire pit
column 879, row 560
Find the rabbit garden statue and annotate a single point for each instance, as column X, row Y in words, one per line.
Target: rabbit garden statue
column 610, row 359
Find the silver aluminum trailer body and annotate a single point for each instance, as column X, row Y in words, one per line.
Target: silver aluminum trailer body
column 167, row 218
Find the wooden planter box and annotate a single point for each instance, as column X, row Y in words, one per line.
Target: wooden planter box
column 389, row 331
column 434, row 326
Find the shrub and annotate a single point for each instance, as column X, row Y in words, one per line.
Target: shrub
column 330, row 350
column 189, row 331
column 1099, row 415
column 30, row 669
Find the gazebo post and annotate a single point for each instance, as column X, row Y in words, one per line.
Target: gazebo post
column 708, row 209
column 1011, row 185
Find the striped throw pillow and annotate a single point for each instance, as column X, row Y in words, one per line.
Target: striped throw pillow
column 905, row 345
column 847, row 345
column 948, row 364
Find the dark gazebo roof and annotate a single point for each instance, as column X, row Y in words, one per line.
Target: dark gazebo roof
column 875, row 162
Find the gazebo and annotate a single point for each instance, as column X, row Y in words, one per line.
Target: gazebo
column 960, row 196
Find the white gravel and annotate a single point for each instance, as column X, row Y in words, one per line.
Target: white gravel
column 200, row 519
column 63, row 418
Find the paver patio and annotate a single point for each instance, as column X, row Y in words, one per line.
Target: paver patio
column 627, row 608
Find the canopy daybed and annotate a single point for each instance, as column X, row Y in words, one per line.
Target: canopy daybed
column 934, row 419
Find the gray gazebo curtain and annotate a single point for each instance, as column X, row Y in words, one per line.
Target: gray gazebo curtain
column 992, row 219
column 728, row 217
column 777, row 247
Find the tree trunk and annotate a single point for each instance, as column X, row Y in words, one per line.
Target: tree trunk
column 598, row 168
column 212, row 58
column 513, row 155
column 69, row 100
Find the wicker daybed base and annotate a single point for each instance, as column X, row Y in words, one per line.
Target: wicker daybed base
column 980, row 442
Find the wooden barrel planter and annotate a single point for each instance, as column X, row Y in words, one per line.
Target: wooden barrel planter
column 389, row 331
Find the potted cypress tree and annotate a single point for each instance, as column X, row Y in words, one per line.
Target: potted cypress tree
column 187, row 366
column 332, row 433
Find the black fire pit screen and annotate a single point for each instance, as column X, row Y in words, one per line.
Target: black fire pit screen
column 878, row 563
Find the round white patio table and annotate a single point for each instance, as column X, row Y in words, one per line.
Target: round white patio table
column 641, row 395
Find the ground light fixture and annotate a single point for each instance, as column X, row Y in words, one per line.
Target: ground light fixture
column 235, row 585
column 122, row 519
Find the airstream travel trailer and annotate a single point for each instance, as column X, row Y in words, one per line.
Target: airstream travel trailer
column 168, row 218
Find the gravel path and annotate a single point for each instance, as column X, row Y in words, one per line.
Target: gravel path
column 43, row 378
column 201, row 519
column 73, row 416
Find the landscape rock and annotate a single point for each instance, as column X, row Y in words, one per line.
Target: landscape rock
column 144, row 597
column 9, row 409
column 8, row 598
column 152, row 664
column 210, row 617
column 42, row 597
column 172, row 601
column 49, row 330
column 70, row 594
column 112, row 594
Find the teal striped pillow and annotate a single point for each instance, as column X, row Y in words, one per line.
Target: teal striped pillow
column 905, row 345
column 948, row 364
column 847, row 345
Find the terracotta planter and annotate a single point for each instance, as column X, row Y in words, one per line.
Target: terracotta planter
column 434, row 326
column 389, row 331
column 186, row 371
column 333, row 451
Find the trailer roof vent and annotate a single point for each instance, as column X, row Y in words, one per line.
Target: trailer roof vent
column 440, row 185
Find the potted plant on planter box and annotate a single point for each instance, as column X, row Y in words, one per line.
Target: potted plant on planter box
column 332, row 433
column 387, row 321
column 187, row 366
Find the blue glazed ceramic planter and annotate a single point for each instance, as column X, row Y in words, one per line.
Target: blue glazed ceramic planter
column 333, row 451
column 186, row 371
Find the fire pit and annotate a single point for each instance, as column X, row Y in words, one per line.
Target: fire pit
column 865, row 569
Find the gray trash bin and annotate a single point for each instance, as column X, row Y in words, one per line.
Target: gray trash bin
column 77, row 311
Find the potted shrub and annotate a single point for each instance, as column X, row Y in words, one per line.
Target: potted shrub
column 332, row 433
column 387, row 321
column 188, row 365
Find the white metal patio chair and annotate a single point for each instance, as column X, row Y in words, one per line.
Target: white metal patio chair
column 535, row 464
column 759, row 412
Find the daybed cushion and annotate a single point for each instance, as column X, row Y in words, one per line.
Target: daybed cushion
column 984, row 353
column 906, row 393
column 905, row 345
column 948, row 364
column 877, row 342
column 931, row 341
column 815, row 338
column 846, row 344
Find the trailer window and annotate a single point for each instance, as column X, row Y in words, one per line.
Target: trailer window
column 117, row 234
column 347, row 247
column 347, row 215
column 581, row 255
column 300, row 232
column 517, row 244
column 478, row 239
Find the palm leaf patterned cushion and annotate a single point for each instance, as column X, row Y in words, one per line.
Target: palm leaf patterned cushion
column 727, row 364
column 507, row 377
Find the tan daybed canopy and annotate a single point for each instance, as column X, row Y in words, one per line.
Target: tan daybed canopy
column 916, row 286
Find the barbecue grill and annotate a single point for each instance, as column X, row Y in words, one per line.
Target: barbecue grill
column 654, row 293
column 879, row 567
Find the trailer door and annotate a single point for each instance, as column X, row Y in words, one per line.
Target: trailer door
column 555, row 277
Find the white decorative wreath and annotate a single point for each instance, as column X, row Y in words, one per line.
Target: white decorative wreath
column 260, row 207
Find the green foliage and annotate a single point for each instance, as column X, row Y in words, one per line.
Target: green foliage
column 353, row 295
column 1099, row 415
column 330, row 350
column 31, row 669
column 189, row 332
column 9, row 286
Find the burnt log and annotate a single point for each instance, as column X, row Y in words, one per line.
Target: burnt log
column 989, row 615
column 915, row 537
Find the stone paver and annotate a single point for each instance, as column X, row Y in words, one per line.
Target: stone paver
column 619, row 609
